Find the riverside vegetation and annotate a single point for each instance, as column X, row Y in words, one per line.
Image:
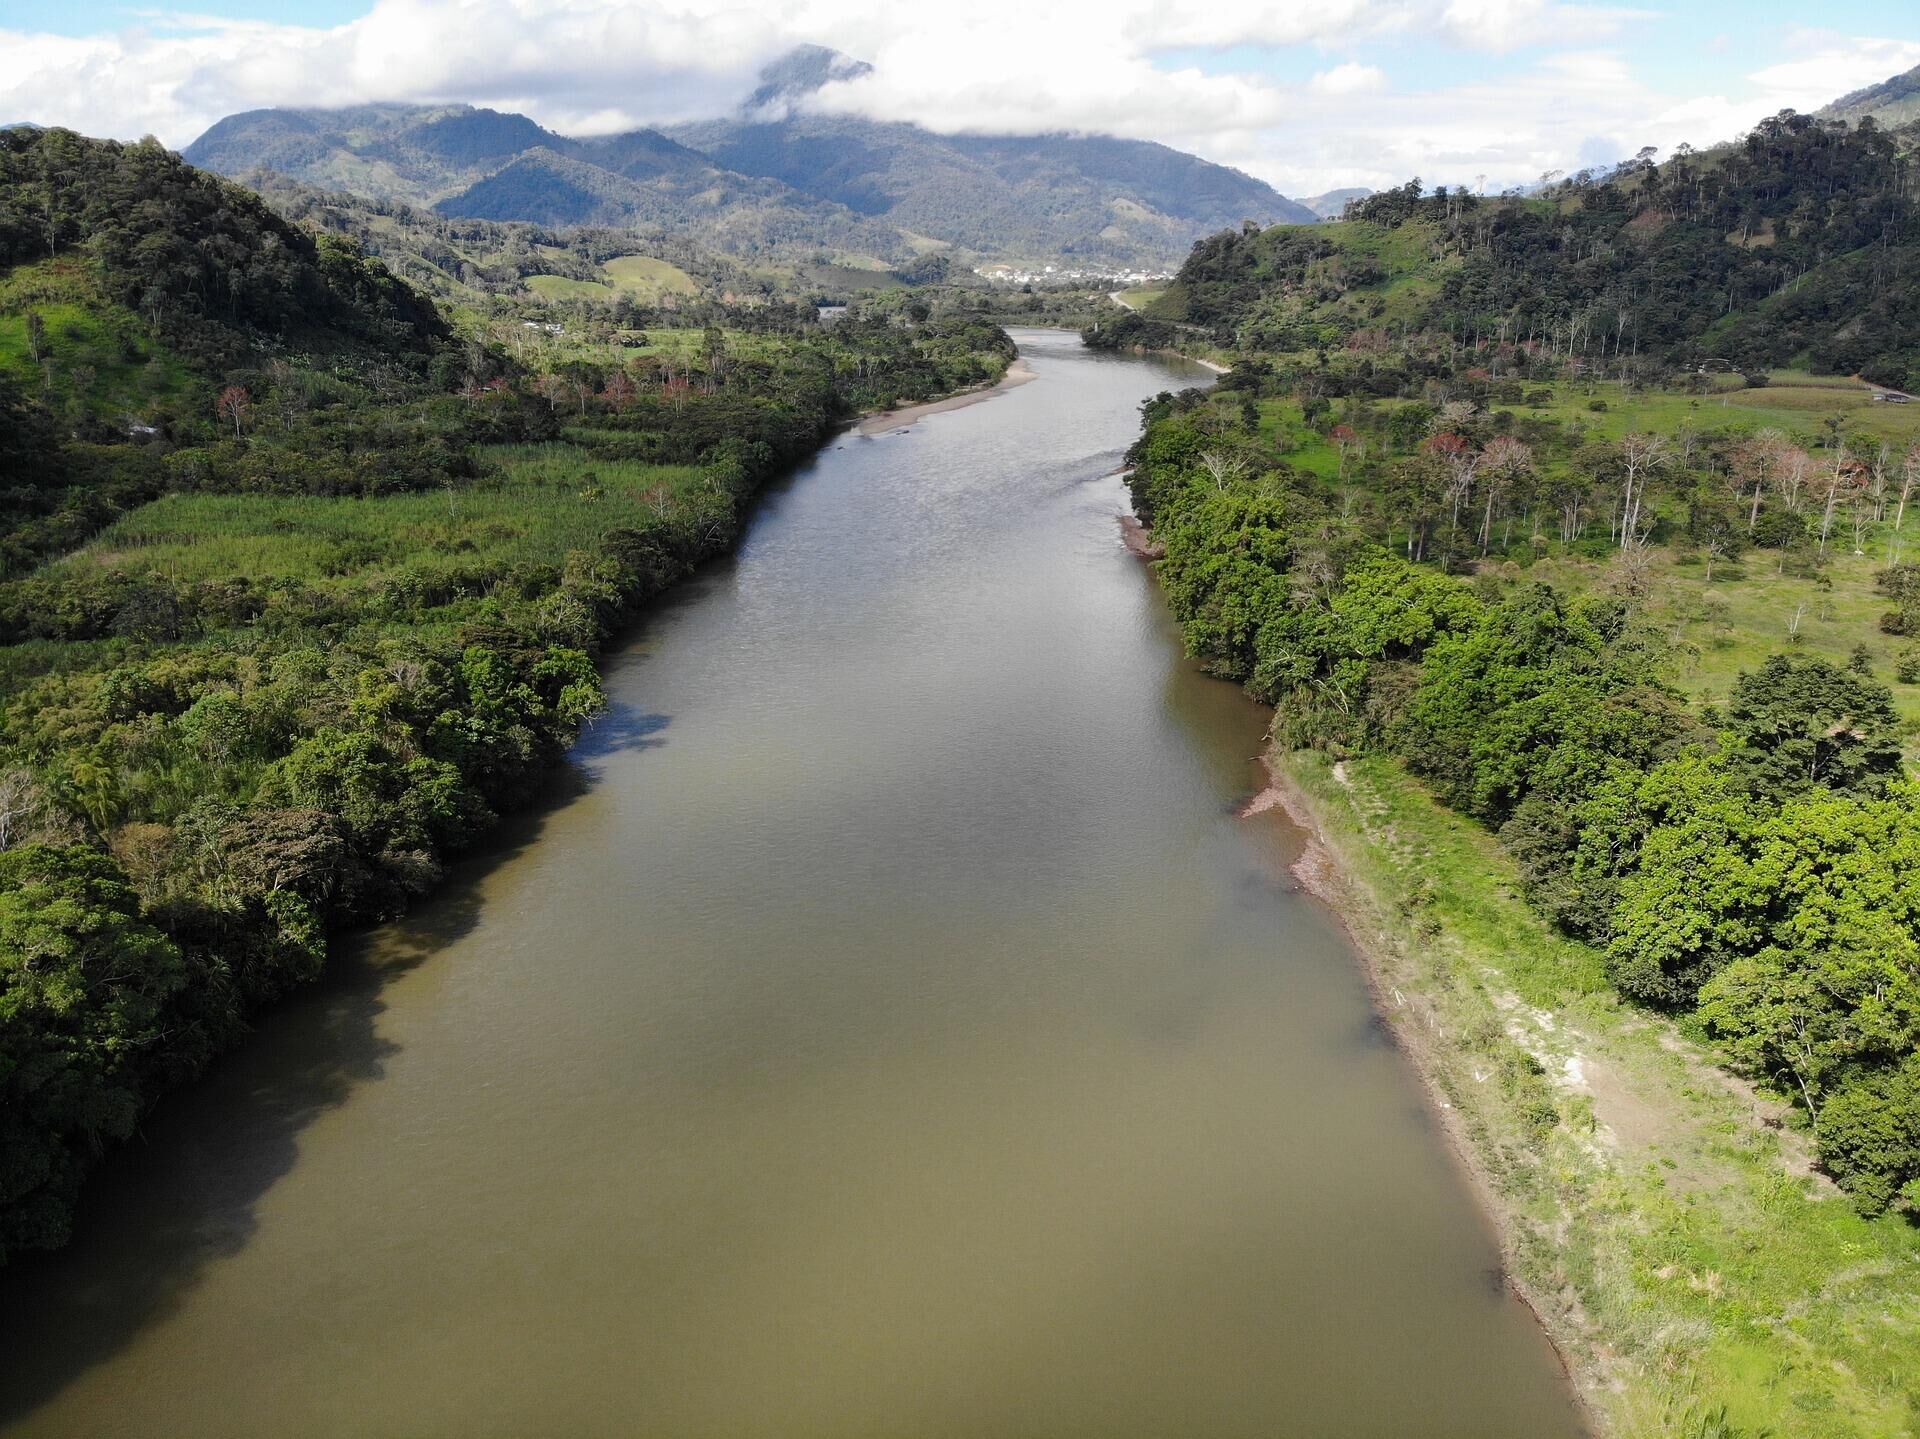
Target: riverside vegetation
column 1507, row 506
column 301, row 583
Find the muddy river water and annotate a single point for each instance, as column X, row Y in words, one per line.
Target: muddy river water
column 887, row 1030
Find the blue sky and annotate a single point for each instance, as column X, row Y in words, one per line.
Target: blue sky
column 1309, row 94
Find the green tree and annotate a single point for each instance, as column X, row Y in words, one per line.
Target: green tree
column 83, row 986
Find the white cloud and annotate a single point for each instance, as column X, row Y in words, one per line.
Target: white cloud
column 1349, row 79
column 1567, row 90
column 1830, row 66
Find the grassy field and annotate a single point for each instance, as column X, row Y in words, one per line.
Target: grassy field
column 640, row 276
column 536, row 503
column 96, row 353
column 1663, row 1218
column 1797, row 403
column 646, row 278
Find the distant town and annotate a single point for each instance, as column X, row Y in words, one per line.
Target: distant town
column 1003, row 274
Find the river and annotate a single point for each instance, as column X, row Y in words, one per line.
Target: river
column 888, row 1030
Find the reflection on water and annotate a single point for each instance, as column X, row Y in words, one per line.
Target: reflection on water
column 888, row 1030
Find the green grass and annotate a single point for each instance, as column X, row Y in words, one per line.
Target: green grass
column 1675, row 1244
column 559, row 287
column 536, row 503
column 640, row 276
column 646, row 278
column 1751, row 610
column 1796, row 403
column 84, row 332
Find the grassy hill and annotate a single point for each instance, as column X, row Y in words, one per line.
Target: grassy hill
column 1892, row 104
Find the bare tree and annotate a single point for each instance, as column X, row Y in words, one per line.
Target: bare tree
column 1796, row 468
column 20, row 799
column 1839, row 475
column 1505, row 465
column 1909, row 478
column 233, row 404
column 1640, row 456
column 1223, row 470
column 1755, row 462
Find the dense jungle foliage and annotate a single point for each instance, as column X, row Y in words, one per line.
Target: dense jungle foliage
column 1800, row 244
column 1749, row 863
column 301, row 592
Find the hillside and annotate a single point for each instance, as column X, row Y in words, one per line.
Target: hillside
column 1796, row 246
column 481, row 164
column 1333, row 204
column 1087, row 197
column 468, row 260
column 207, row 266
column 1892, row 104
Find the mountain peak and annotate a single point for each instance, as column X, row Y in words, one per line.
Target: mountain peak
column 797, row 74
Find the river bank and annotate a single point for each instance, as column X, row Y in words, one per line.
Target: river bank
column 883, row 422
column 1658, row 1217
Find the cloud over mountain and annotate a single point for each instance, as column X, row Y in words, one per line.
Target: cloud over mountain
column 1191, row 76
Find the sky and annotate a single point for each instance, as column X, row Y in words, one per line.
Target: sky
column 1309, row 95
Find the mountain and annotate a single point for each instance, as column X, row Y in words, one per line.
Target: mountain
column 476, row 163
column 1333, row 204
column 1893, row 103
column 1026, row 196
column 1796, row 246
column 225, row 276
column 772, row 177
column 798, row 74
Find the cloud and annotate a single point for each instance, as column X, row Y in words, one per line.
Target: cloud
column 1828, row 66
column 1166, row 70
column 1349, row 79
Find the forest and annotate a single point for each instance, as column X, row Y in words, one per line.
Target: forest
column 302, row 582
column 1488, row 488
column 1473, row 591
column 1800, row 240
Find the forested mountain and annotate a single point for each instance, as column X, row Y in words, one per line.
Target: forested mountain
column 1089, row 197
column 208, row 266
column 1800, row 242
column 467, row 259
column 770, row 178
column 481, row 164
column 299, row 592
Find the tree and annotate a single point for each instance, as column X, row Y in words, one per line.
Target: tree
column 1506, row 468
column 1755, row 460
column 1640, row 456
column 233, row 403
column 83, row 985
column 1347, row 442
column 1795, row 724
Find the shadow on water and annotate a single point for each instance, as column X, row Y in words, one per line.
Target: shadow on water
column 183, row 1193
column 621, row 727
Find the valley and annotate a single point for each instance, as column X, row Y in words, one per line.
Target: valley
column 771, row 757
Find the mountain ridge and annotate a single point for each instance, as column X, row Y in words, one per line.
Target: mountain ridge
column 774, row 174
